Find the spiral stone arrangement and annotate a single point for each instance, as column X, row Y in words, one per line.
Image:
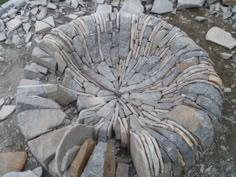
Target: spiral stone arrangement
column 134, row 78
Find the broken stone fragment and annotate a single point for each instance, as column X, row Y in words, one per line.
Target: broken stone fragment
column 132, row 6
column 221, row 37
column 73, row 137
column 82, row 158
column 36, row 122
column 21, row 174
column 182, row 4
column 6, row 111
column 161, row 7
column 104, row 8
column 69, row 157
column 34, row 102
column 12, row 161
column 13, row 24
column 45, row 146
column 41, row 26
column 96, row 162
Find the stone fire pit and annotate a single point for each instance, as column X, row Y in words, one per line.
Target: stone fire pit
column 135, row 79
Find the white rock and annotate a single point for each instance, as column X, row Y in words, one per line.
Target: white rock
column 34, row 11
column 74, row 3
column 41, row 27
column 51, row 6
column 221, row 37
column 200, row 18
column 13, row 24
column 27, row 27
column 132, row 6
column 42, row 14
column 104, row 8
column 182, row 4
column 6, row 111
column 161, row 7
column 49, row 20
column 226, row 55
column 2, row 36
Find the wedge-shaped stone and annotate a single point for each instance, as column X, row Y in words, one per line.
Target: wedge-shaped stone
column 82, row 158
column 24, row 103
column 69, row 157
column 36, row 122
column 75, row 136
column 95, row 166
column 6, row 111
column 44, row 147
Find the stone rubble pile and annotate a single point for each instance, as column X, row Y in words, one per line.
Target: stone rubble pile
column 22, row 22
column 129, row 77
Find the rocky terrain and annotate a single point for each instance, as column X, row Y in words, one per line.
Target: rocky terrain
column 210, row 24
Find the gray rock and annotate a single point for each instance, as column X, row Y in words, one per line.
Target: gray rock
column 24, row 103
column 29, row 82
column 2, row 25
column 221, row 37
column 42, row 14
column 16, row 39
column 104, row 8
column 226, row 56
column 161, row 7
column 6, row 111
column 44, row 147
column 41, row 26
column 32, row 72
column 122, row 170
column 20, row 174
column 50, row 20
column 132, row 6
column 2, row 36
column 51, row 6
column 95, row 166
column 69, row 157
column 182, row 4
column 13, row 24
column 28, row 37
column 36, row 122
column 73, row 137
column 200, row 18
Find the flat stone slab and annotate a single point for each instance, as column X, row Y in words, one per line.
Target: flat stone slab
column 36, row 122
column 21, row 174
column 6, row 111
column 45, row 146
column 82, row 158
column 95, row 166
column 12, row 161
column 182, row 4
column 132, row 6
column 221, row 37
column 161, row 7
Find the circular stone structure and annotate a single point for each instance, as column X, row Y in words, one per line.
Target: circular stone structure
column 134, row 78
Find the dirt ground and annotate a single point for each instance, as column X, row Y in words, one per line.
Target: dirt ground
column 220, row 161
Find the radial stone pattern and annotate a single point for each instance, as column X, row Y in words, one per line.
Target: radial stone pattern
column 135, row 78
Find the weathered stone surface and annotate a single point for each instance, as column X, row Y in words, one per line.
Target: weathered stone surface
column 95, row 166
column 50, row 20
column 44, row 147
column 21, row 174
column 2, row 36
column 41, row 26
column 82, row 158
column 34, row 71
column 12, row 161
column 221, row 37
column 6, row 111
column 182, row 4
column 161, row 7
column 110, row 162
column 13, row 24
column 122, row 170
column 71, row 139
column 34, row 102
column 29, row 82
column 38, row 171
column 104, row 8
column 39, row 121
column 132, row 6
column 69, row 157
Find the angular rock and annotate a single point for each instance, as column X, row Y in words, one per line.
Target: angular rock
column 82, row 158
column 44, row 147
column 226, row 56
column 29, row 82
column 132, row 6
column 41, row 26
column 75, row 136
column 182, row 4
column 2, row 36
column 13, row 24
column 21, row 174
column 42, row 14
column 36, row 122
column 69, row 157
column 221, row 37
column 6, row 111
column 34, row 71
column 161, row 7
column 50, row 20
column 38, row 171
column 95, row 166
column 110, row 162
column 12, row 161
column 104, row 8
column 34, row 102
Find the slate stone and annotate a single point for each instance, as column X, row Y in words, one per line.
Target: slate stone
column 161, row 7
column 182, row 4
column 95, row 166
column 82, row 158
column 44, row 146
column 75, row 136
column 12, row 161
column 69, row 157
column 13, row 24
column 34, row 102
column 6, row 111
column 36, row 122
column 20, row 174
column 132, row 6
